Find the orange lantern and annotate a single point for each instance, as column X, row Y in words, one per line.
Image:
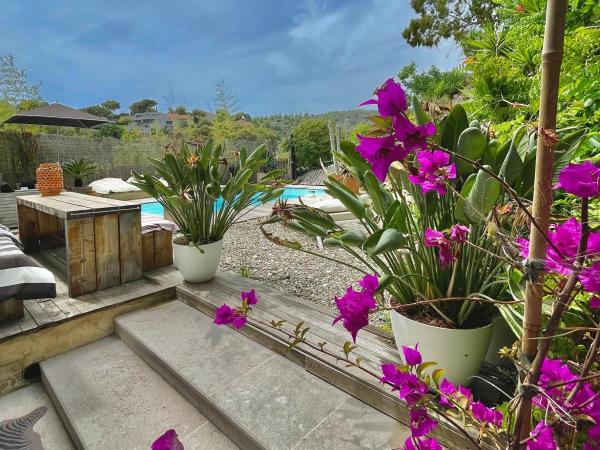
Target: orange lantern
column 49, row 177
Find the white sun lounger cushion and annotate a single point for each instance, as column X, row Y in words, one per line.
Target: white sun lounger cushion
column 111, row 185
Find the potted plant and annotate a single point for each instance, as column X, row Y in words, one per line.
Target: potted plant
column 430, row 231
column 78, row 169
column 188, row 184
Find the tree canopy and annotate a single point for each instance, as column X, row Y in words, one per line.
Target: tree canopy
column 15, row 86
column 142, row 106
column 443, row 19
column 310, row 142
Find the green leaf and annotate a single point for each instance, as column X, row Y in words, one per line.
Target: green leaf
column 348, row 347
column 515, row 285
column 499, row 156
column 347, row 197
column 456, row 122
column 471, row 144
column 396, row 216
column 315, row 218
column 437, row 375
column 383, row 241
column 513, row 164
column 421, row 116
column 461, row 202
column 380, row 197
column 350, row 237
column 424, row 366
column 482, row 197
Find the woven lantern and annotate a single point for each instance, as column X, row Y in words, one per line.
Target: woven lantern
column 49, row 177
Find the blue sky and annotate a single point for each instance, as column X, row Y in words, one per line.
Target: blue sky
column 275, row 55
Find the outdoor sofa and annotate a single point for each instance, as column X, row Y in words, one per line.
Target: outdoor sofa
column 21, row 277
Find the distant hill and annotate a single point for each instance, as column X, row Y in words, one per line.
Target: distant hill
column 283, row 124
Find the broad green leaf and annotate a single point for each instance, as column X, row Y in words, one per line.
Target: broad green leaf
column 421, row 116
column 354, row 204
column 456, row 122
column 482, row 197
column 489, row 154
column 471, row 144
column 396, row 216
column 499, row 157
column 461, row 202
column 349, row 237
column 306, row 215
column 513, row 164
column 380, row 197
column 383, row 241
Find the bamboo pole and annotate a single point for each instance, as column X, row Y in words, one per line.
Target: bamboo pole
column 552, row 53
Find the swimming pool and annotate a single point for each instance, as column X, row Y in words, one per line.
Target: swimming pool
column 289, row 193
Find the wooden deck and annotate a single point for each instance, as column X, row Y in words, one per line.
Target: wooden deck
column 48, row 311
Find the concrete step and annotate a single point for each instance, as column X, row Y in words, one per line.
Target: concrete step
column 109, row 398
column 49, row 428
column 257, row 398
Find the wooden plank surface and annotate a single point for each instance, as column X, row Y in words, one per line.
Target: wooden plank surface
column 103, row 200
column 130, row 243
column 28, row 227
column 106, row 228
column 147, row 252
column 72, row 203
column 81, row 258
column 163, row 248
column 48, row 205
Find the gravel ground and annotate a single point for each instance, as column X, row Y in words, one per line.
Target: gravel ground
column 248, row 252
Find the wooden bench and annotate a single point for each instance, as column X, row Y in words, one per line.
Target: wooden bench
column 157, row 249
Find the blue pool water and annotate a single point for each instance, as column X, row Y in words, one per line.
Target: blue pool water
column 289, row 193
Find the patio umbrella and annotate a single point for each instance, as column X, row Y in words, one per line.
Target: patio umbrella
column 59, row 116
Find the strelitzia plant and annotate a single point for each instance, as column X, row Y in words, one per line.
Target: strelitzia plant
column 188, row 184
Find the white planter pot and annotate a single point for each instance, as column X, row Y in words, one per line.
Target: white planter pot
column 459, row 352
column 195, row 266
column 502, row 336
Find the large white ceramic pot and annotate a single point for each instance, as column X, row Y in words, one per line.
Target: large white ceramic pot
column 198, row 266
column 502, row 336
column 459, row 352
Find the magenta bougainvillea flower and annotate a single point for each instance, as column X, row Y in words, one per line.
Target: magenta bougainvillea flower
column 420, row 422
column 594, row 302
column 447, row 243
column 354, row 307
column 413, row 137
column 458, row 233
column 412, row 357
column 380, row 153
column 582, row 179
column 450, row 393
column 486, row 415
column 225, row 315
column 558, row 381
column 391, row 99
column 369, row 283
column 542, row 438
column 250, row 297
column 168, row 441
column 422, row 444
column 410, row 388
column 590, row 277
column 433, row 171
column 565, row 238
